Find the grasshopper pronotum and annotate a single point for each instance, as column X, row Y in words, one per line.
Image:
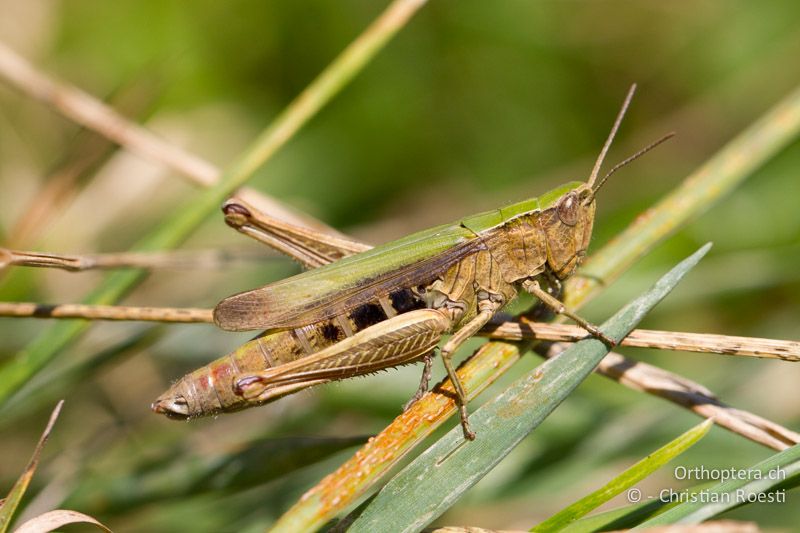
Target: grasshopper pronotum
column 391, row 305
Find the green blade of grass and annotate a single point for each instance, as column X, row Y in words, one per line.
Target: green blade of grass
column 630, row 477
column 436, row 479
column 185, row 219
column 620, row 518
column 11, row 501
column 627, row 516
column 761, row 478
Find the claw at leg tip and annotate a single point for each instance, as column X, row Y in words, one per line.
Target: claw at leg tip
column 609, row 341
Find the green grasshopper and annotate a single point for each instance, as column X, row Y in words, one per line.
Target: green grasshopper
column 365, row 309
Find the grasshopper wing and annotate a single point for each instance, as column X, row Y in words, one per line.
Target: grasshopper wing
column 337, row 288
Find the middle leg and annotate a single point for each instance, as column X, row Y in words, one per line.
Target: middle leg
column 487, row 309
column 423, row 382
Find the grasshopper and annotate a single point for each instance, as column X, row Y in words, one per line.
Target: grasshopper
column 364, row 310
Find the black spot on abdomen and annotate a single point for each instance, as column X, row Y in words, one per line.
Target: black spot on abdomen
column 404, row 301
column 367, row 315
column 331, row 332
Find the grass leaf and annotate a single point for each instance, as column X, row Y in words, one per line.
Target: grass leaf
column 53, row 520
column 626, row 479
column 760, row 479
column 623, row 517
column 14, row 497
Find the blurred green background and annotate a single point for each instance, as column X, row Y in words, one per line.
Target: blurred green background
column 473, row 105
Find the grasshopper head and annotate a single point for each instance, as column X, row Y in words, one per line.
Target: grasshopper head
column 568, row 230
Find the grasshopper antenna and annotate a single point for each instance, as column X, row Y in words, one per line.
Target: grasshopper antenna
column 624, row 162
column 610, row 139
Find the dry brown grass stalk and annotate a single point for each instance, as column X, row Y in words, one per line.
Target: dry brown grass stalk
column 194, row 259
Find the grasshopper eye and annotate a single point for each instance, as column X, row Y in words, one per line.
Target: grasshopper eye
column 568, row 209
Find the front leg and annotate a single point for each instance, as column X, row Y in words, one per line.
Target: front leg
column 532, row 286
column 554, row 285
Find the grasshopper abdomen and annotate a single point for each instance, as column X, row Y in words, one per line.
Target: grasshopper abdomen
column 211, row 389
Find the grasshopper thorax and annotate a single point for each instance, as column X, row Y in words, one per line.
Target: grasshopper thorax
column 546, row 234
